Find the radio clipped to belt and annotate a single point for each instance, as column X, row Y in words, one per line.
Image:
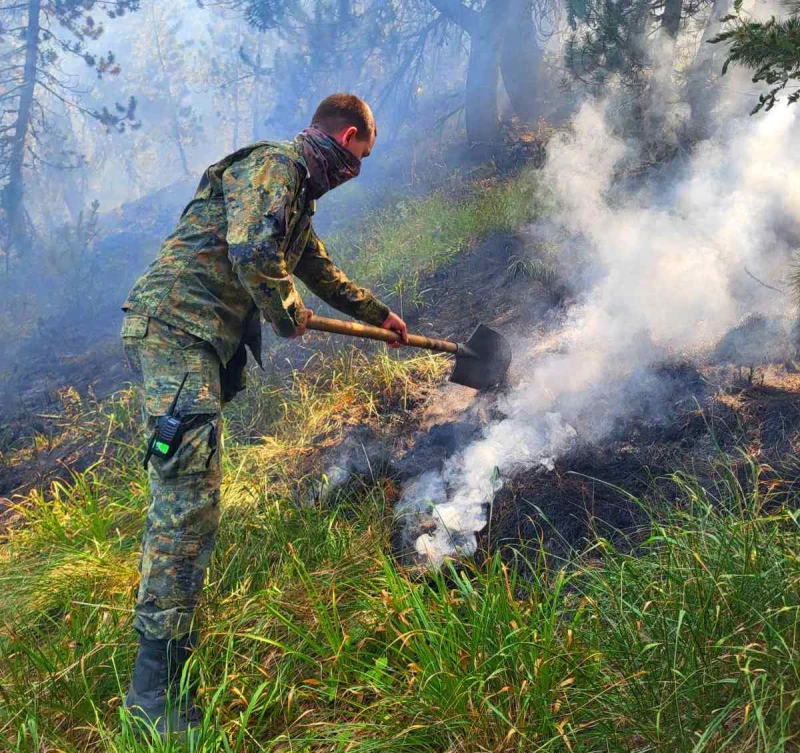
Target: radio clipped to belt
column 166, row 437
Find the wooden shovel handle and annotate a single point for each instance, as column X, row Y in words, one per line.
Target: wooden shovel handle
column 356, row 329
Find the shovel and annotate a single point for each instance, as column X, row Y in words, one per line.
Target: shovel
column 481, row 362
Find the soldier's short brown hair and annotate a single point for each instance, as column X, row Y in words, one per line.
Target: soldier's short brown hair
column 343, row 110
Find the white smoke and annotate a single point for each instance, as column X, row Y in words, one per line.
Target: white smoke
column 672, row 262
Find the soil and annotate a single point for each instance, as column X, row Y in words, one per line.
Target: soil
column 481, row 286
column 42, row 405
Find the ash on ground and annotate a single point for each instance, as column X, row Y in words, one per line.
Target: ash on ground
column 596, row 489
column 661, row 400
column 676, row 416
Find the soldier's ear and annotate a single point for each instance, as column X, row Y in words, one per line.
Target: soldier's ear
column 348, row 135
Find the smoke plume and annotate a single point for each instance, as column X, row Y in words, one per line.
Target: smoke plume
column 669, row 260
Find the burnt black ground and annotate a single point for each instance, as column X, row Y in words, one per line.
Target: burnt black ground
column 610, row 490
column 481, row 285
column 696, row 415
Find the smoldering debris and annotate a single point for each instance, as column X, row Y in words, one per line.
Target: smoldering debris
column 679, row 416
column 665, row 402
column 667, row 284
column 616, row 439
column 651, row 405
column 450, row 418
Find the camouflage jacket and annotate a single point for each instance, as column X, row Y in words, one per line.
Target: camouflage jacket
column 238, row 242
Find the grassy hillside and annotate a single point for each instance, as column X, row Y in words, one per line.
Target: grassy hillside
column 314, row 639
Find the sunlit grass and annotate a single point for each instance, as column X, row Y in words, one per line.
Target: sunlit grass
column 286, row 422
column 413, row 238
column 314, row 639
column 69, row 563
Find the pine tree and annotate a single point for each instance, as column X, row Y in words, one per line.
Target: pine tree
column 170, row 83
column 37, row 40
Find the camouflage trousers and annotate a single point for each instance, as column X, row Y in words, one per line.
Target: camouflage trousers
column 183, row 515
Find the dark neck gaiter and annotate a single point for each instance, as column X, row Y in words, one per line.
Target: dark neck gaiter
column 329, row 163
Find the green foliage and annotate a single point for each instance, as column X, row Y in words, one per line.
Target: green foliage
column 771, row 49
column 699, row 625
column 541, row 268
column 313, row 639
column 607, row 41
column 263, row 15
column 72, row 264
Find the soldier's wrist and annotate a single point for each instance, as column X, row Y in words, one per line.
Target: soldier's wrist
column 374, row 312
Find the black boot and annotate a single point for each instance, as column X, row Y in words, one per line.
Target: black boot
column 154, row 695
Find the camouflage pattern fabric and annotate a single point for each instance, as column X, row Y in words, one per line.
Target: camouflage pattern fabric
column 233, row 253
column 183, row 515
column 238, row 242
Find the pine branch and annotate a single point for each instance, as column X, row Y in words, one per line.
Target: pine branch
column 771, row 49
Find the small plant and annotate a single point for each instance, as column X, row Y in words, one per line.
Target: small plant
column 534, row 269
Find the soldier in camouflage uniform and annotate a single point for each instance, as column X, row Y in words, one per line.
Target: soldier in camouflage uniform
column 229, row 262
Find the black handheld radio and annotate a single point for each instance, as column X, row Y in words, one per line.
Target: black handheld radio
column 166, row 438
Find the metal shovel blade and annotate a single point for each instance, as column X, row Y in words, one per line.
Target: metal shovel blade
column 482, row 362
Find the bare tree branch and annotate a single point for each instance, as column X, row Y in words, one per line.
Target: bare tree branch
column 458, row 13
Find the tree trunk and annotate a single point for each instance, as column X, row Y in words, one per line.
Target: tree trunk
column 671, row 20
column 236, row 89
column 520, row 58
column 13, row 192
column 481, row 96
column 343, row 59
column 483, row 68
column 702, row 97
column 178, row 139
column 255, row 102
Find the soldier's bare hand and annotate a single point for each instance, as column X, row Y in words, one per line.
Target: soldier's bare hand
column 396, row 324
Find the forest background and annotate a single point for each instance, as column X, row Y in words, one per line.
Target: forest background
column 582, row 175
column 111, row 109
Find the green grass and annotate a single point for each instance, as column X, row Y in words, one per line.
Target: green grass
column 69, row 564
column 314, row 639
column 410, row 239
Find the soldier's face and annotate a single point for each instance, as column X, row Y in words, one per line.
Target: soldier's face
column 359, row 148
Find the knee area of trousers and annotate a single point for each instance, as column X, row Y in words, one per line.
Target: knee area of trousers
column 180, row 520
